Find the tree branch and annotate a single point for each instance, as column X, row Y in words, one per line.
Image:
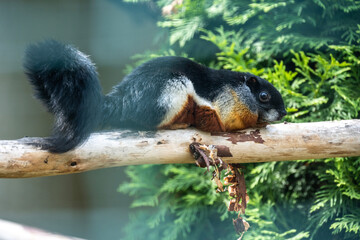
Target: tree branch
column 277, row 142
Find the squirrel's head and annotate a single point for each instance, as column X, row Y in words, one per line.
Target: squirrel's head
column 269, row 103
column 250, row 102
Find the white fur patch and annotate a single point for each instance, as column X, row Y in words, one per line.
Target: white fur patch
column 271, row 115
column 175, row 95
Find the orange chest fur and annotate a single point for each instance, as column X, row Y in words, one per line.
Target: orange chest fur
column 229, row 116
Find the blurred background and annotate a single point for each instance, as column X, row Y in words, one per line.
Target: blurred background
column 309, row 50
column 87, row 204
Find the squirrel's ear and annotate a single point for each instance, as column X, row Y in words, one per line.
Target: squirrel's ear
column 252, row 83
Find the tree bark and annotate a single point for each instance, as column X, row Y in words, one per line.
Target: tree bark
column 277, row 142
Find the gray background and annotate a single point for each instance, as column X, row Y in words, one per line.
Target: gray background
column 86, row 204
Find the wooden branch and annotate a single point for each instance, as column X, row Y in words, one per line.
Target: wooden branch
column 277, row 142
column 15, row 231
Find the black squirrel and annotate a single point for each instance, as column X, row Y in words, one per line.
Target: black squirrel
column 163, row 93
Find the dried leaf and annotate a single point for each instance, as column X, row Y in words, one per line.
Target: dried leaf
column 238, row 188
column 241, row 226
column 207, row 156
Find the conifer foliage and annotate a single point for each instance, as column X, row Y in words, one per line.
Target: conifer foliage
column 310, row 50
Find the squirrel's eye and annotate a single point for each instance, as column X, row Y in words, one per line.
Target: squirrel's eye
column 264, row 96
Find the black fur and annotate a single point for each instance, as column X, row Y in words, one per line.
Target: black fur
column 149, row 79
column 66, row 82
column 258, row 85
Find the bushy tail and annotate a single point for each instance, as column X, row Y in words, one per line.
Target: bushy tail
column 66, row 81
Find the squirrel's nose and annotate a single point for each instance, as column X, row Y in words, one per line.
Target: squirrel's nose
column 282, row 113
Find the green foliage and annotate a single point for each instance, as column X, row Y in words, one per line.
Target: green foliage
column 182, row 198
column 310, row 51
column 187, row 207
column 261, row 216
column 337, row 200
column 349, row 223
column 320, row 87
column 271, row 27
column 231, row 56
